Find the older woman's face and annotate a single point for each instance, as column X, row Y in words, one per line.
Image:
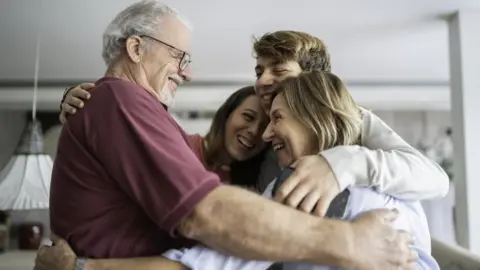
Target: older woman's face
column 290, row 138
column 161, row 62
column 244, row 129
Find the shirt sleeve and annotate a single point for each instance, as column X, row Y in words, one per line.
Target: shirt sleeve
column 386, row 162
column 203, row 258
column 144, row 151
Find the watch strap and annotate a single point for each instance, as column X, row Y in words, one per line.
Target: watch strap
column 80, row 263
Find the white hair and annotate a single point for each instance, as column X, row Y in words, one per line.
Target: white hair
column 141, row 18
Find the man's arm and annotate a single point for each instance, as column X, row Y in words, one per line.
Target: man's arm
column 151, row 263
column 60, row 256
column 388, row 163
column 162, row 175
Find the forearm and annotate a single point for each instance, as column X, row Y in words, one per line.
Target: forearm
column 388, row 163
column 249, row 226
column 150, row 263
column 401, row 172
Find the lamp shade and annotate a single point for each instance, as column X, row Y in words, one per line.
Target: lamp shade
column 25, row 180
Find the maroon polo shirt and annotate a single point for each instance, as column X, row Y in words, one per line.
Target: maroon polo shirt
column 124, row 175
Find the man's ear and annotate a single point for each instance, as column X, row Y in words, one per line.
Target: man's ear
column 132, row 45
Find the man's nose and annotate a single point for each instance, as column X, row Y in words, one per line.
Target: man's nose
column 268, row 133
column 265, row 79
column 186, row 74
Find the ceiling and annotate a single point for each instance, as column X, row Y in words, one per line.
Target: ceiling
column 370, row 40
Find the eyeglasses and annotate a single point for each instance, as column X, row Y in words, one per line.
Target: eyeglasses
column 184, row 59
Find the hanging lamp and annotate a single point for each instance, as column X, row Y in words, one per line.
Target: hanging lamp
column 25, row 180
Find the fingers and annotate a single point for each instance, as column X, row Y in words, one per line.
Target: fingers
column 299, row 193
column 295, row 164
column 402, row 250
column 85, row 86
column 391, row 215
column 309, row 201
column 412, row 255
column 79, row 93
column 55, row 238
column 323, row 204
column 38, row 262
column 301, row 162
column 68, row 109
column 386, row 215
column 74, row 101
column 62, row 118
column 287, row 187
column 41, row 250
column 406, row 237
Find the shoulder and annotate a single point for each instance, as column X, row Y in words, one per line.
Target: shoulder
column 115, row 86
column 196, row 144
column 195, row 139
column 125, row 94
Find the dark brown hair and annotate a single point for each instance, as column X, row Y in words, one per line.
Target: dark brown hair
column 242, row 173
column 308, row 51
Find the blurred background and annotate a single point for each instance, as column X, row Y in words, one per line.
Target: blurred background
column 412, row 62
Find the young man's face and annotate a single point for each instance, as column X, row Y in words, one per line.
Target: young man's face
column 269, row 74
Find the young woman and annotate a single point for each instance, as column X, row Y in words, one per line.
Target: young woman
column 233, row 147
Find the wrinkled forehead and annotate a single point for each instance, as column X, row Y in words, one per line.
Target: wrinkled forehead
column 175, row 32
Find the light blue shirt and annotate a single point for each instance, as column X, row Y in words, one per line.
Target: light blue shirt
column 411, row 219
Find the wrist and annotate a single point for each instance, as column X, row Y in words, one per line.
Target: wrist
column 337, row 246
column 343, row 245
column 83, row 264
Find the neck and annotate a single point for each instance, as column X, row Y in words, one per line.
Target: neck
column 126, row 72
column 222, row 159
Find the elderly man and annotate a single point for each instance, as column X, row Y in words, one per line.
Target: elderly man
column 125, row 181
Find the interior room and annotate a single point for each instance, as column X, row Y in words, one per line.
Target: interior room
column 412, row 63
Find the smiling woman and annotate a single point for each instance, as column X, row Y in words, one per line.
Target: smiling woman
column 310, row 114
column 234, row 143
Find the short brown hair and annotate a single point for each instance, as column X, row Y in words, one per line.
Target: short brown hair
column 308, row 51
column 323, row 104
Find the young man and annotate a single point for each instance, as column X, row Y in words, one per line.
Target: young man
column 125, row 181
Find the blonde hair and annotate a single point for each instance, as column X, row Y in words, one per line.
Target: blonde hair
column 308, row 51
column 322, row 103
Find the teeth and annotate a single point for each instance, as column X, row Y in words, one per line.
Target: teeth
column 266, row 97
column 278, row 146
column 245, row 142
